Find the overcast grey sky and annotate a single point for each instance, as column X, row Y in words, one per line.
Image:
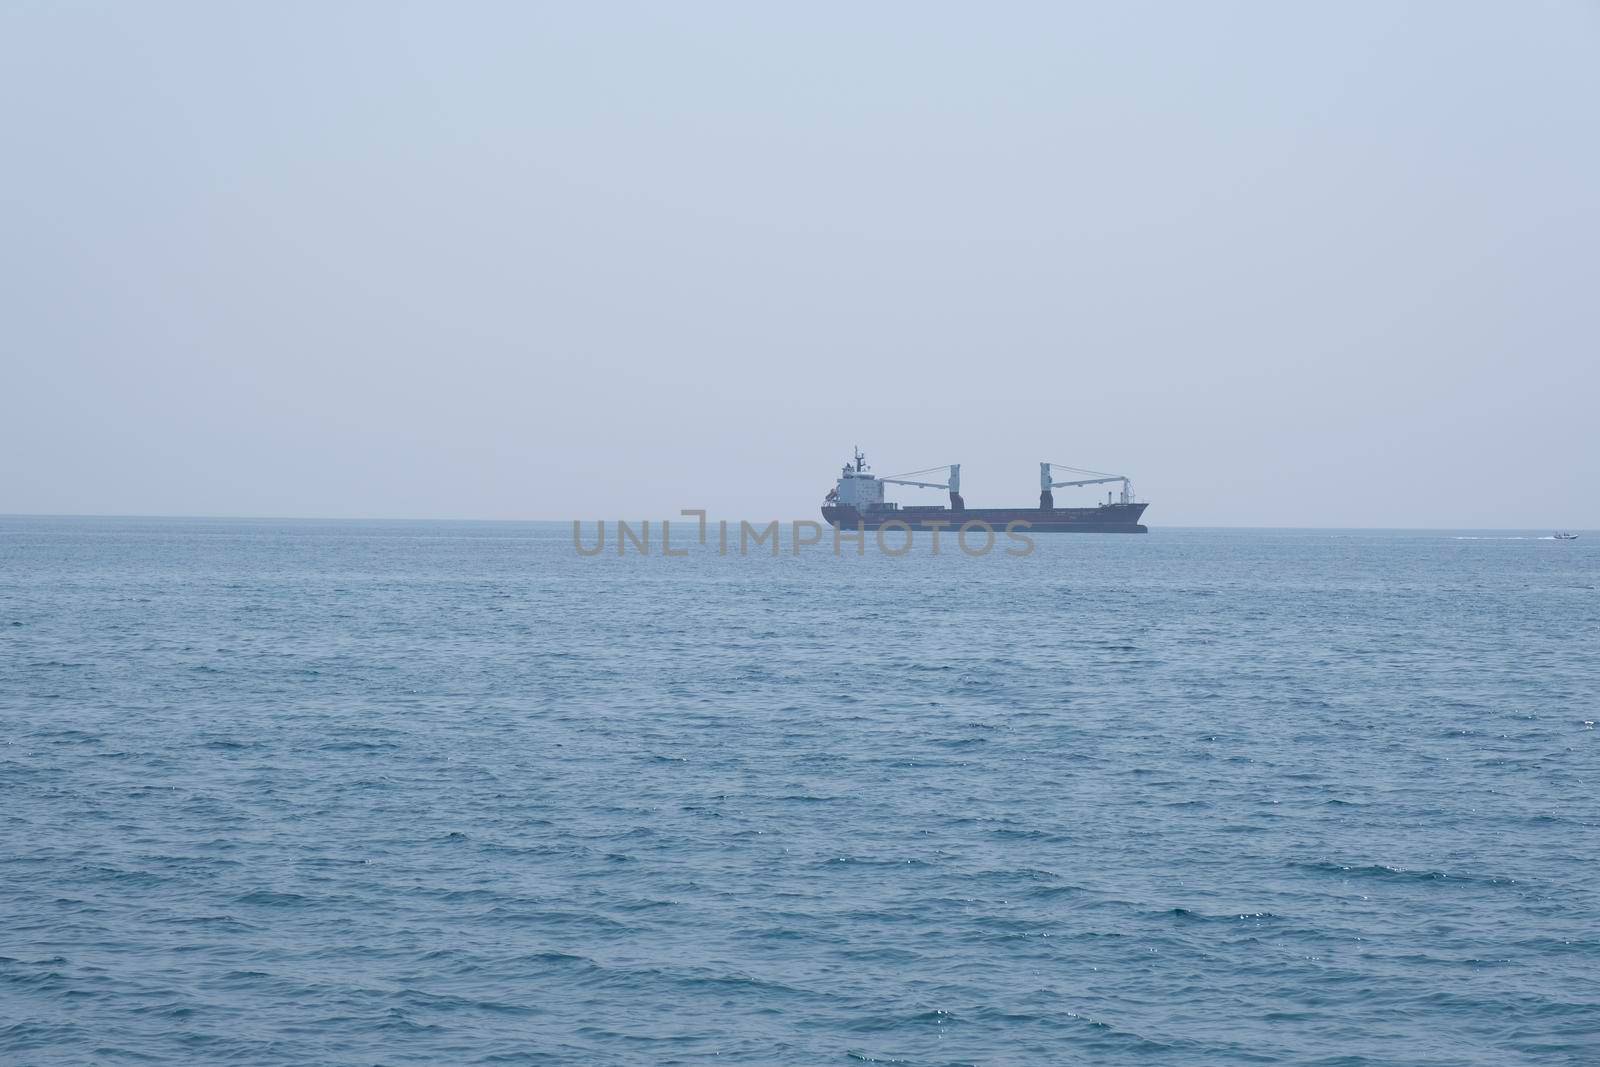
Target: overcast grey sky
column 1285, row 264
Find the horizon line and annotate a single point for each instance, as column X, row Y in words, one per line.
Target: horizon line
column 444, row 519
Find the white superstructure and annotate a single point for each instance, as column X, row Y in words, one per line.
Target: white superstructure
column 859, row 488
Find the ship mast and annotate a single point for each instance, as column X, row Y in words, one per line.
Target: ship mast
column 952, row 483
column 1047, row 499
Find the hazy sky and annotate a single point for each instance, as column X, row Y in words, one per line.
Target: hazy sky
column 1285, row 264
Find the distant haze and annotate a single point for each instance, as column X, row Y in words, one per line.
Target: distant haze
column 1284, row 264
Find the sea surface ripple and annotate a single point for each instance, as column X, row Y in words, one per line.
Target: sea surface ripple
column 308, row 792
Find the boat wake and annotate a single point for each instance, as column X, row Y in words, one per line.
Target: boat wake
column 1505, row 537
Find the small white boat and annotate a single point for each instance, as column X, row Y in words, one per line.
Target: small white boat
column 1566, row 537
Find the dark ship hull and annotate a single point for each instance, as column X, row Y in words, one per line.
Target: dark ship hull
column 1106, row 518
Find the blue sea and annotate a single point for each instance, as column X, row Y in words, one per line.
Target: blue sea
column 300, row 792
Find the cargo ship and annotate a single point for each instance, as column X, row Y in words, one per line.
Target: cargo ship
column 857, row 500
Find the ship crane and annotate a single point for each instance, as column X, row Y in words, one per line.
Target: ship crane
column 1047, row 499
column 952, row 482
